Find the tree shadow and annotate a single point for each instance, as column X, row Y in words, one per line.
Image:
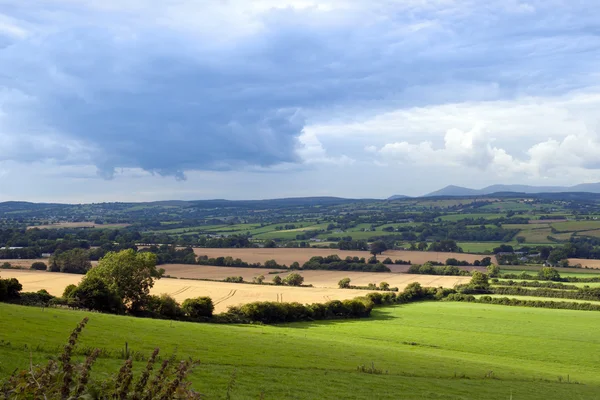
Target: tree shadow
column 384, row 313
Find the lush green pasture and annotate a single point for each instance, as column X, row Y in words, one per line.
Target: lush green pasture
column 430, row 350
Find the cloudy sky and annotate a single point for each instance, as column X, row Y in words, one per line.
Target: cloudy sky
column 137, row 100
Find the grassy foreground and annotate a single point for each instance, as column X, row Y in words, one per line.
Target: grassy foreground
column 431, row 351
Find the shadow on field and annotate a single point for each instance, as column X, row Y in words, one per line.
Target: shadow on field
column 378, row 314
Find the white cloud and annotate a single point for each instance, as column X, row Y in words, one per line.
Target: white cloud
column 312, row 152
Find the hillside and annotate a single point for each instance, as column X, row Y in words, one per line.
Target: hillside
column 420, row 349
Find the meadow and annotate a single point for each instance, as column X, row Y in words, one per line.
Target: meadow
column 430, row 350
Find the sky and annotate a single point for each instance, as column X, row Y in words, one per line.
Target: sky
column 142, row 100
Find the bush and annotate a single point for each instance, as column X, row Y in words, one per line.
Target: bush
column 294, row 279
column 277, row 280
column 344, row 283
column 39, row 266
column 234, row 279
column 164, row 306
column 200, row 307
column 69, row 291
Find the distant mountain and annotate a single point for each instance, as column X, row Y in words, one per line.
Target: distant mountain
column 457, row 191
column 398, row 197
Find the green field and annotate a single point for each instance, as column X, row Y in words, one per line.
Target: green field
column 432, row 350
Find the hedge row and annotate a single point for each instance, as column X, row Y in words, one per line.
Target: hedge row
column 505, row 301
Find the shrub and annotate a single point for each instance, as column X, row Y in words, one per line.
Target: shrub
column 234, row 279
column 277, row 280
column 199, row 307
column 164, row 306
column 294, row 279
column 69, row 291
column 39, row 266
column 258, row 279
column 344, row 283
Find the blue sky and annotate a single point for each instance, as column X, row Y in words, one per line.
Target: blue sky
column 135, row 100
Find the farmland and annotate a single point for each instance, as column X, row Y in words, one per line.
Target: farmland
column 288, row 256
column 226, row 294
column 421, row 346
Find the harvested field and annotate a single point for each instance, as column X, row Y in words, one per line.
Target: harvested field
column 321, row 279
column 23, row 263
column 584, row 263
column 288, row 256
column 226, row 294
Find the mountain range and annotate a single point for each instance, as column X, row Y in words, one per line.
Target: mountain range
column 458, row 191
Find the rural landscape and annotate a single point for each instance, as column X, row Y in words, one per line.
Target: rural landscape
column 409, row 296
column 299, row 200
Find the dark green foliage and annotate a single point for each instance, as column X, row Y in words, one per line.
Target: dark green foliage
column 429, row 269
column 294, row 279
column 335, row 263
column 549, row 274
column 9, row 289
column 69, row 291
column 199, row 307
column 64, row 379
column 234, row 279
column 273, row 312
column 39, row 266
column 344, row 283
column 75, row 261
column 377, row 247
column 164, row 306
column 94, row 294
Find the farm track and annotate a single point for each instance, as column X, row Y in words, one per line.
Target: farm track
column 226, row 297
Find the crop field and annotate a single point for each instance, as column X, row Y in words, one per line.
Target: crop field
column 576, row 226
column 585, row 262
column 22, row 263
column 429, row 350
column 226, row 294
column 325, row 279
column 288, row 256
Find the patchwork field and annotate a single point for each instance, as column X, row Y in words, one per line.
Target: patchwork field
column 226, row 294
column 288, row 256
column 438, row 351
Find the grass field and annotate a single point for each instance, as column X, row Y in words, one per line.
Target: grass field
column 430, row 350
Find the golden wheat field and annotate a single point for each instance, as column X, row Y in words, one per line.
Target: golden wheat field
column 288, row 256
column 226, row 294
column 23, row 263
column 317, row 278
column 584, row 262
